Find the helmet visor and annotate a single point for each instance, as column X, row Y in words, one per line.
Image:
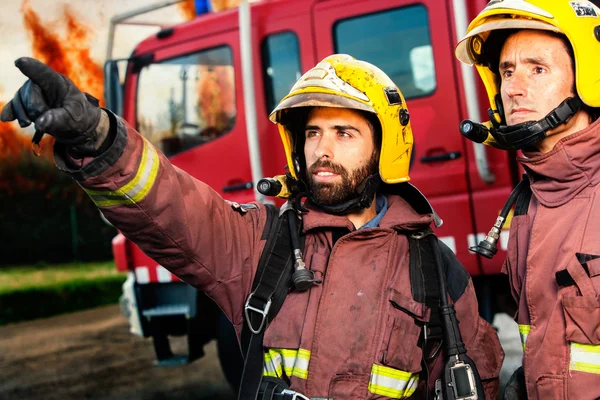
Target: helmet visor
column 466, row 51
column 313, row 99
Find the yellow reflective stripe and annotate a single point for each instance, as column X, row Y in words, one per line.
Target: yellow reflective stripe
column 524, row 332
column 272, row 365
column 293, row 362
column 134, row 191
column 390, row 382
column 585, row 358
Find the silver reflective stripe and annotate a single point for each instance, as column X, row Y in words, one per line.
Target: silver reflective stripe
column 524, row 332
column 394, row 383
column 585, row 358
column 134, row 191
column 291, row 361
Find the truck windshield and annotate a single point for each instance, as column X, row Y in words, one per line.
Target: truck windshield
column 407, row 56
column 187, row 101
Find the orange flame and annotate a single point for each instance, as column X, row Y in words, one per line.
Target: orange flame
column 12, row 143
column 216, row 97
column 222, row 5
column 69, row 55
column 188, row 9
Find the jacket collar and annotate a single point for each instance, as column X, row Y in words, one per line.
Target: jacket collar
column 401, row 213
column 571, row 166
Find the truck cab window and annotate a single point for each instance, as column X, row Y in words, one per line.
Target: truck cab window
column 407, row 56
column 187, row 101
column 281, row 66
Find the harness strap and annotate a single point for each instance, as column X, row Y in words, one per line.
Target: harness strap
column 524, row 197
column 424, row 282
column 271, row 284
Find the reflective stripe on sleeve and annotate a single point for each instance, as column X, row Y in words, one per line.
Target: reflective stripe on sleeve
column 134, row 191
column 291, row 361
column 394, row 383
column 524, row 332
column 585, row 357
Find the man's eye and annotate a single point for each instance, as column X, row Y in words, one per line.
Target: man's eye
column 506, row 73
column 540, row 70
column 310, row 134
column 344, row 134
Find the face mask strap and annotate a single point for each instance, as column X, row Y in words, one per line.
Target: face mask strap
column 526, row 134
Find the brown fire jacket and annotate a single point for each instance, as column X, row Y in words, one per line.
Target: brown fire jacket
column 352, row 337
column 559, row 315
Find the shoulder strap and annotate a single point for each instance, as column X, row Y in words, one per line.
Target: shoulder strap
column 270, row 287
column 424, row 281
column 523, row 198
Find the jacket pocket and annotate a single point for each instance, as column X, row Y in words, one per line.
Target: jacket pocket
column 395, row 371
column 582, row 319
column 582, row 329
column 351, row 387
column 405, row 320
column 550, row 387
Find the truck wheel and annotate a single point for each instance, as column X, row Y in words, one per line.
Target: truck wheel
column 229, row 352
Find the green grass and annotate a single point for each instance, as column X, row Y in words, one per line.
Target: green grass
column 26, row 277
column 30, row 292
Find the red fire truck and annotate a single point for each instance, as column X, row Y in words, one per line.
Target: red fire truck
column 201, row 91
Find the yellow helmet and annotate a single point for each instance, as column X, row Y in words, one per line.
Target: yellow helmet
column 345, row 82
column 578, row 20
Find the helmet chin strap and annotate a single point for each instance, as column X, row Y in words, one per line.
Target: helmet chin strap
column 526, row 134
column 366, row 195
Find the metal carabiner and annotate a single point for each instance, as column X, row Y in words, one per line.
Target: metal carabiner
column 263, row 312
column 295, row 395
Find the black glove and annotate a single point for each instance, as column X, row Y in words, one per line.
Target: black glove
column 56, row 106
column 515, row 387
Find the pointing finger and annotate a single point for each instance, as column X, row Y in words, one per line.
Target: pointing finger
column 51, row 82
column 7, row 113
column 19, row 111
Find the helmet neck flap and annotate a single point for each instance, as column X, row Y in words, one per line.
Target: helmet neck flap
column 526, row 134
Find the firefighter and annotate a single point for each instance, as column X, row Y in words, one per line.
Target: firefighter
column 357, row 332
column 538, row 60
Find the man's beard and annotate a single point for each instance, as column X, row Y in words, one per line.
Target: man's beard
column 336, row 193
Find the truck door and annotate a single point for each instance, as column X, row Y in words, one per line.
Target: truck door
column 284, row 49
column 189, row 104
column 411, row 42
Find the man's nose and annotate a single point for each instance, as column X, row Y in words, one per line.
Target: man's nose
column 516, row 86
column 324, row 148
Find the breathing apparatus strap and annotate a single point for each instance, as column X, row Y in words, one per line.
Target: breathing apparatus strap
column 523, row 198
column 525, row 134
column 424, row 284
column 270, row 287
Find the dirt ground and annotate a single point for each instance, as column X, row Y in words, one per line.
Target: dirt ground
column 92, row 355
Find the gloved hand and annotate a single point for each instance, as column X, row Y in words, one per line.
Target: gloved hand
column 56, row 106
column 515, row 387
